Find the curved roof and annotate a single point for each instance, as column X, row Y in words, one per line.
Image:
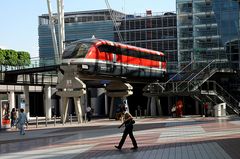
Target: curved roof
column 99, row 42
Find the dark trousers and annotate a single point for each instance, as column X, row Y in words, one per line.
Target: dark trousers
column 128, row 131
column 89, row 115
column 13, row 122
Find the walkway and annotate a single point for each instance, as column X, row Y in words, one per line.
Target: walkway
column 158, row 138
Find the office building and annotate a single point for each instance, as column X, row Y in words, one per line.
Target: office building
column 156, row 31
column 208, row 30
column 78, row 25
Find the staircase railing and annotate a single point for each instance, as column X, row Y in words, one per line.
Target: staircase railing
column 223, row 95
column 178, row 73
column 194, row 81
column 197, row 84
column 160, row 87
column 191, row 82
column 202, row 81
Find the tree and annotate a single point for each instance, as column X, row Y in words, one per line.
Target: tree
column 23, row 58
column 14, row 58
column 2, row 57
column 11, row 57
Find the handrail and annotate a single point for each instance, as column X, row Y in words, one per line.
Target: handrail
column 201, row 71
column 225, row 96
column 229, row 99
column 188, row 83
column 226, row 92
column 203, row 80
column 178, row 73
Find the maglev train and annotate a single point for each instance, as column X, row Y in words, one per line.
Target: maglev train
column 103, row 57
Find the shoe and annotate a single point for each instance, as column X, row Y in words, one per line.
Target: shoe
column 134, row 148
column 118, row 147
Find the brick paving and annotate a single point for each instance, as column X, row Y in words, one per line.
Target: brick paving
column 158, row 138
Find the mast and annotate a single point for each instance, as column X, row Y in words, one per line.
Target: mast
column 61, row 27
column 53, row 32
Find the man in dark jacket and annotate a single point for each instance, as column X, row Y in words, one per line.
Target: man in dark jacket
column 128, row 122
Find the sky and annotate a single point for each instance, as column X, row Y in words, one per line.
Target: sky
column 19, row 18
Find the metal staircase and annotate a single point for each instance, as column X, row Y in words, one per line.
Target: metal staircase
column 195, row 83
column 217, row 94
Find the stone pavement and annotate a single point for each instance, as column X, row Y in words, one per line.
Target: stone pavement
column 158, row 138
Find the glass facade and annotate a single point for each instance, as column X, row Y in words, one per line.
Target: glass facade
column 156, row 31
column 208, row 30
column 78, row 25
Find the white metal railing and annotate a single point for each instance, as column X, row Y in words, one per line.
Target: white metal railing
column 34, row 63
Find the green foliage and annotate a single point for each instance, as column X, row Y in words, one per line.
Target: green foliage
column 2, row 57
column 11, row 58
column 23, row 58
column 14, row 58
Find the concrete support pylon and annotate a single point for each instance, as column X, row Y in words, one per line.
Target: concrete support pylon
column 78, row 109
column 71, row 86
column 148, row 106
column 111, row 108
column 117, row 89
column 154, row 106
column 47, row 101
column 11, row 98
column 159, row 107
column 152, row 91
column 64, row 109
column 153, row 109
column 26, row 95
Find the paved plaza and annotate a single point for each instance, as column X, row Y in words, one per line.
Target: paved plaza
column 189, row 137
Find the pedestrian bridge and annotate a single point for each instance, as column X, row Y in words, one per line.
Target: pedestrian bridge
column 40, row 71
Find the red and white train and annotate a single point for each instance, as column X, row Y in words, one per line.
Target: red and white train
column 102, row 57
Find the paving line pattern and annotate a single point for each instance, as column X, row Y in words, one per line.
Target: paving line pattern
column 180, row 139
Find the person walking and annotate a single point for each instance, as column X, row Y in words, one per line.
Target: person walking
column 89, row 113
column 13, row 117
column 173, row 111
column 22, row 120
column 128, row 122
column 205, row 109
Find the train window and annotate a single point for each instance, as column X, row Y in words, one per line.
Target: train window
column 82, row 49
column 149, row 56
column 68, row 52
column 124, row 51
column 130, row 52
column 145, row 55
column 107, row 48
column 133, row 53
column 76, row 50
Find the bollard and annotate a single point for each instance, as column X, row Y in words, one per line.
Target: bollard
column 145, row 113
column 36, row 121
column 85, row 117
column 140, row 114
column 46, row 121
column 136, row 114
column 71, row 119
column 62, row 119
column 54, row 120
